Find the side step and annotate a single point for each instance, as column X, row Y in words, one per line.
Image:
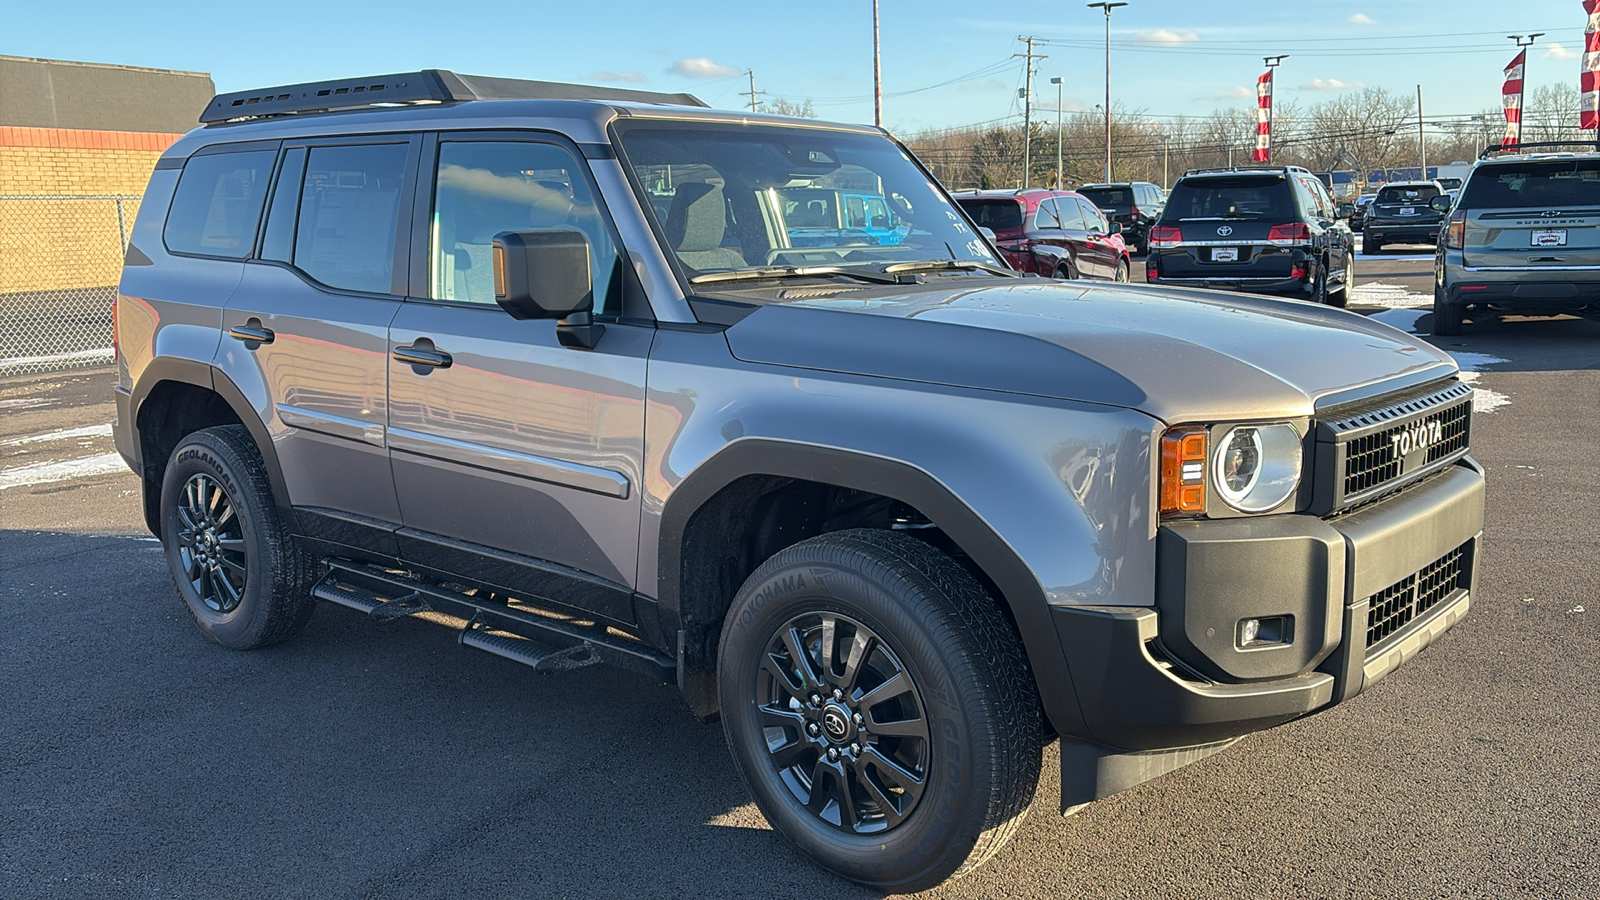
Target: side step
column 547, row 644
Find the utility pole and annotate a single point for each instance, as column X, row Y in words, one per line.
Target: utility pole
column 1166, row 147
column 1422, row 143
column 1027, row 107
column 1272, row 63
column 877, row 71
column 752, row 93
column 1058, row 81
column 1522, row 108
column 1108, row 7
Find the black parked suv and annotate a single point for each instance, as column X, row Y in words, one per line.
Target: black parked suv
column 1402, row 214
column 1266, row 229
column 1134, row 205
column 583, row 374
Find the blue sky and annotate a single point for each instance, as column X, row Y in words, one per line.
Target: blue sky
column 944, row 62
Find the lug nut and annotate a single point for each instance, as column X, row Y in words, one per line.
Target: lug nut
column 833, row 754
column 838, row 694
column 813, row 730
column 855, row 749
column 859, row 720
column 816, row 699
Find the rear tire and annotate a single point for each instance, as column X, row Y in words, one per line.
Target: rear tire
column 237, row 567
column 1370, row 247
column 921, row 793
column 1065, row 272
column 1446, row 317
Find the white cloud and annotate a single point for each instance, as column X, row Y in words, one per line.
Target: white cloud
column 1237, row 92
column 629, row 77
column 701, row 67
column 1167, row 36
column 1557, row 51
column 1330, row 84
column 1361, row 19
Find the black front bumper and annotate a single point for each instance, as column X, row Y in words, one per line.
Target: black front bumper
column 1173, row 677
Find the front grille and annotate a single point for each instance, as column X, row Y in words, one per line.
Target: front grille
column 1383, row 444
column 1394, row 607
column 1375, row 460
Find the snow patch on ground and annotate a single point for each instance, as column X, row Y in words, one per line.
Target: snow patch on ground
column 67, row 434
column 1403, row 319
column 10, row 365
column 1393, row 296
column 45, row 473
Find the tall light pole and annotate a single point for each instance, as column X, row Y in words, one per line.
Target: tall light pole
column 1166, row 147
column 877, row 71
column 1272, row 63
column 1058, row 82
column 1108, row 7
column 1522, row 109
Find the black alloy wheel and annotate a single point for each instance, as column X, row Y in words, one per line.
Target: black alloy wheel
column 211, row 544
column 879, row 706
column 845, row 725
column 246, row 582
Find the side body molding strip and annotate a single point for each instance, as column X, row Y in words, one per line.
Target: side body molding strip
column 539, row 468
column 337, row 426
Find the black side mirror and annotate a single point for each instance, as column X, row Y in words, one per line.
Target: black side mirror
column 1116, row 227
column 1440, row 203
column 1346, row 210
column 546, row 275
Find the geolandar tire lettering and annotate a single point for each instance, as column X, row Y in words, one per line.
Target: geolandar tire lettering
column 878, row 705
column 236, row 566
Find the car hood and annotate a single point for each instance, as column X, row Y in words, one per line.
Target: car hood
column 1179, row 355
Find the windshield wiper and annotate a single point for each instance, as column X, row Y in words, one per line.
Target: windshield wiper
column 769, row 272
column 940, row 265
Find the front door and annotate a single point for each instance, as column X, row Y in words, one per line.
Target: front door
column 511, row 441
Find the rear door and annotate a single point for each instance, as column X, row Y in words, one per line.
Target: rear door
column 1539, row 214
column 510, row 441
column 307, row 328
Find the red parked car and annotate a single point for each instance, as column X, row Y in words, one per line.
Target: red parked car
column 1058, row 234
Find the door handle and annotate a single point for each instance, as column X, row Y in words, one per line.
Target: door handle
column 423, row 356
column 252, row 334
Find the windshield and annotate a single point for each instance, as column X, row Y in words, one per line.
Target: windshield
column 1550, row 185
column 733, row 197
column 1107, row 198
column 996, row 215
column 1411, row 195
column 1211, row 197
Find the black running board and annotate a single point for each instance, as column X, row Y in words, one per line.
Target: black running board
column 545, row 643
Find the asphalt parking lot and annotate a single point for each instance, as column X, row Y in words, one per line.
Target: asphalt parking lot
column 380, row 759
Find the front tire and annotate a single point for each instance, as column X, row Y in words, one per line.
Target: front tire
column 237, row 567
column 1341, row 297
column 879, row 706
column 1122, row 272
column 1065, row 272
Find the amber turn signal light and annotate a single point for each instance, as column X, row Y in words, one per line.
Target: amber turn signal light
column 1183, row 471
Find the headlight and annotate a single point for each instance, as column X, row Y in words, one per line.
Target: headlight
column 1256, row 467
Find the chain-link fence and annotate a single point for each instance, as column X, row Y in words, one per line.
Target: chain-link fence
column 60, row 259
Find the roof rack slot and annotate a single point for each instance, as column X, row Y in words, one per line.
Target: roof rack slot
column 426, row 86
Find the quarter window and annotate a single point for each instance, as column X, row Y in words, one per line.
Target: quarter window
column 350, row 215
column 217, row 204
column 1046, row 216
column 486, row 187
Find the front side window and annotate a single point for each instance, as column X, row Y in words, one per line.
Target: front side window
column 217, row 204
column 350, row 214
column 486, row 187
column 739, row 197
column 1093, row 219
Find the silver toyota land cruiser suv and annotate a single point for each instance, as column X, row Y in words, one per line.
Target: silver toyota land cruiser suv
column 1523, row 239
column 563, row 366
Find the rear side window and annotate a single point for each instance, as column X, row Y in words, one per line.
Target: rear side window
column 1413, row 195
column 1046, row 216
column 1551, row 185
column 994, row 214
column 1249, row 197
column 218, row 203
column 349, row 215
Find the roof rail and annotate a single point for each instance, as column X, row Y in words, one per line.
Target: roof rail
column 1591, row 144
column 426, row 86
column 1260, row 167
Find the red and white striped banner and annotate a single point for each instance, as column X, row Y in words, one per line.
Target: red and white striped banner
column 1263, row 151
column 1511, row 99
column 1589, row 73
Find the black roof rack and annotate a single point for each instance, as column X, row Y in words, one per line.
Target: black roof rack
column 1258, row 167
column 1590, row 144
column 427, row 86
